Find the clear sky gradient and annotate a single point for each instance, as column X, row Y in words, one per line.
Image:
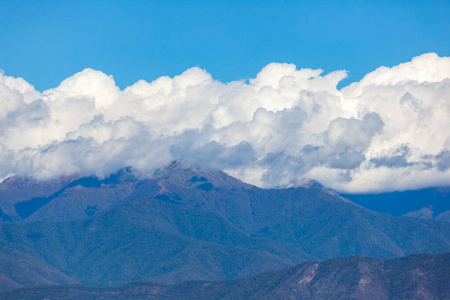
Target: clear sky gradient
column 47, row 41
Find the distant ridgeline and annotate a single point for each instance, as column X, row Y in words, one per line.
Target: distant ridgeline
column 187, row 224
column 426, row 203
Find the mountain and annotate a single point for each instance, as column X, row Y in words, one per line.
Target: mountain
column 62, row 199
column 425, row 203
column 423, row 276
column 20, row 189
column 190, row 224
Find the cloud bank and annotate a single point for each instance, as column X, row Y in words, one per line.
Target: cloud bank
column 389, row 131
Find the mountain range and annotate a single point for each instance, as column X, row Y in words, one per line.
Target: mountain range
column 428, row 203
column 420, row 276
column 186, row 224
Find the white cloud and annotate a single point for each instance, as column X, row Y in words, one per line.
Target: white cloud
column 388, row 131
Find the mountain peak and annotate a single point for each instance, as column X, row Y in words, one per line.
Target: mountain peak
column 310, row 183
column 178, row 174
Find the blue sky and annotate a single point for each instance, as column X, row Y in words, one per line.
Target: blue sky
column 47, row 41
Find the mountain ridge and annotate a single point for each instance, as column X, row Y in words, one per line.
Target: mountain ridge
column 432, row 202
column 187, row 223
column 419, row 276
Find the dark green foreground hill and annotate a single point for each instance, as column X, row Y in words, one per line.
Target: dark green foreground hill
column 424, row 276
column 188, row 224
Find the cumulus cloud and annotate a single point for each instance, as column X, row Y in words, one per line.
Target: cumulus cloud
column 388, row 131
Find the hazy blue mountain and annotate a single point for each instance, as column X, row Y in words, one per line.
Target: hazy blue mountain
column 189, row 224
column 423, row 203
column 445, row 216
column 425, row 276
